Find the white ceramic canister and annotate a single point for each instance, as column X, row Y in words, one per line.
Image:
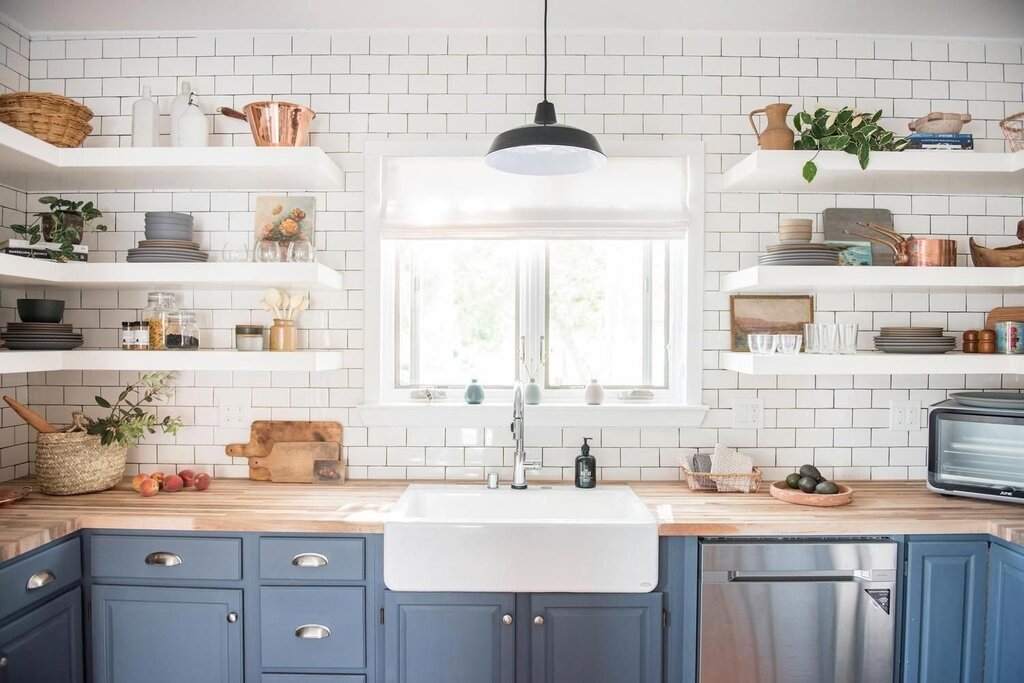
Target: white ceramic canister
column 193, row 127
column 178, row 106
column 145, row 120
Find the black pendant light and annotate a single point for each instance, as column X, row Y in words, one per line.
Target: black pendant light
column 545, row 147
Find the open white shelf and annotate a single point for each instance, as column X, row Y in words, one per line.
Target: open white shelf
column 31, row 165
column 874, row 363
column 811, row 278
column 912, row 171
column 17, row 271
column 145, row 361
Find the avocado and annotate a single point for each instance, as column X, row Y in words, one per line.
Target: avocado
column 812, row 472
column 793, row 481
column 827, row 487
column 807, row 484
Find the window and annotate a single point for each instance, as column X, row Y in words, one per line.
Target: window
column 474, row 274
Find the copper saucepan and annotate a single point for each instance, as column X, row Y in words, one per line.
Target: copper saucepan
column 275, row 124
column 912, row 251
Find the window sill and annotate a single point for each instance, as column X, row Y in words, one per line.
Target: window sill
column 544, row 415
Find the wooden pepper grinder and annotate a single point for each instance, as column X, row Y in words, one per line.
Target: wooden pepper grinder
column 971, row 341
column 986, row 341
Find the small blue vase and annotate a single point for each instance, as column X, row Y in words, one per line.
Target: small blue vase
column 532, row 394
column 474, row 393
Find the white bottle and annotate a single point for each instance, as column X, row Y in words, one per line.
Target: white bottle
column 594, row 393
column 178, row 106
column 193, row 127
column 145, row 120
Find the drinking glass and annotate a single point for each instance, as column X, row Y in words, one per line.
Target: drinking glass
column 235, row 252
column 811, row 337
column 301, row 252
column 827, row 337
column 762, row 344
column 268, row 251
column 848, row 337
column 789, row 344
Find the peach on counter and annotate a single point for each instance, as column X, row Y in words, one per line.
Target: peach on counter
column 202, row 481
column 137, row 481
column 149, row 487
column 188, row 477
column 173, row 483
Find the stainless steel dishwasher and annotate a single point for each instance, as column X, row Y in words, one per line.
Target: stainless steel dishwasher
column 797, row 611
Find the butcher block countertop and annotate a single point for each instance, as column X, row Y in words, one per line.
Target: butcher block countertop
column 879, row 508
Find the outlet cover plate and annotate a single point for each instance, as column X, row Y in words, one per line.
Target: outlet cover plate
column 904, row 416
column 748, row 413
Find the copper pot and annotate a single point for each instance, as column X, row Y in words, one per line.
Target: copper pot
column 912, row 251
column 275, row 124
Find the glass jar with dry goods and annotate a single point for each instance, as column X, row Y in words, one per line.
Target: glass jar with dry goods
column 182, row 331
column 160, row 305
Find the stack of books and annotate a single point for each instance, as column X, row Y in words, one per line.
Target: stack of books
column 955, row 141
column 42, row 250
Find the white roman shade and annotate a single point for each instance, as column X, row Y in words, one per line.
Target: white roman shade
column 460, row 197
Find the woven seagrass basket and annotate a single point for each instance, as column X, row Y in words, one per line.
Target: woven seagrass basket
column 73, row 462
column 56, row 119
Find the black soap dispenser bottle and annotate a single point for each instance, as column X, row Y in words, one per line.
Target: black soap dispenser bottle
column 586, row 467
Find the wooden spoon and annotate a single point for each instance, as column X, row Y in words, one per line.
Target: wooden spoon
column 30, row 416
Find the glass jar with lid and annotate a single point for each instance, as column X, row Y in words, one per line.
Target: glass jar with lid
column 155, row 315
column 182, row 331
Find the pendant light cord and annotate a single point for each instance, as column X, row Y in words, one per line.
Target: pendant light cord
column 545, row 50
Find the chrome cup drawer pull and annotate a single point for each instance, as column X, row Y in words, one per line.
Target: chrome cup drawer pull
column 163, row 559
column 40, row 579
column 309, row 560
column 312, row 632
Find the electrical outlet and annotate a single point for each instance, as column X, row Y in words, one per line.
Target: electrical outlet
column 904, row 415
column 234, row 413
column 748, row 413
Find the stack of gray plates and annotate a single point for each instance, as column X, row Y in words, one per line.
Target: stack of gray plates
column 41, row 337
column 807, row 254
column 913, row 340
column 168, row 240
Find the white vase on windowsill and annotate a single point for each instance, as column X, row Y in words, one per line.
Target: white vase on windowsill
column 594, row 393
column 533, row 393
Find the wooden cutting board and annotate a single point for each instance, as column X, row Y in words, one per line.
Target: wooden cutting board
column 834, row 221
column 1004, row 314
column 266, row 434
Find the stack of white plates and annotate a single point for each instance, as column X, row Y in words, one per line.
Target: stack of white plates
column 167, row 251
column 913, row 340
column 800, row 255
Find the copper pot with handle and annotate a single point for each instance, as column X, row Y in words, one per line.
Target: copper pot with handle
column 912, row 251
column 275, row 124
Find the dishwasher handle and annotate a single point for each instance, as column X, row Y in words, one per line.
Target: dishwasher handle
column 800, row 576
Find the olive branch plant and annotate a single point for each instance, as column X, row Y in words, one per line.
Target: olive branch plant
column 128, row 422
column 843, row 130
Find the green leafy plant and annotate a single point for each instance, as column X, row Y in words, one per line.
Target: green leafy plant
column 843, row 130
column 63, row 224
column 127, row 422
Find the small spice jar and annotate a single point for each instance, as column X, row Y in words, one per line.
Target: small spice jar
column 986, row 341
column 182, row 331
column 127, row 337
column 155, row 315
column 971, row 341
column 140, row 328
column 283, row 335
column 249, row 337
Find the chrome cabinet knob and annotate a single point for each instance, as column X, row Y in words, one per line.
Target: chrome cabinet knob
column 163, row 559
column 538, row 620
column 309, row 560
column 506, row 619
column 232, row 617
column 40, row 579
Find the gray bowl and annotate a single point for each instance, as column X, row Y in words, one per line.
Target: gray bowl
column 40, row 310
column 168, row 216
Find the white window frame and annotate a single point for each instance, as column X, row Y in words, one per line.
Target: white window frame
column 679, row 406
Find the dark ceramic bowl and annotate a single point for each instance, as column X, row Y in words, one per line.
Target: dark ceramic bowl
column 40, row 310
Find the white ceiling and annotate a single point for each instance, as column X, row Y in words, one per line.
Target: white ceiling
column 969, row 18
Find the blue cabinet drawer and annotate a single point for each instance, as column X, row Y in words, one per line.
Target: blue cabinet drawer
column 313, row 628
column 166, row 558
column 312, row 678
column 313, row 559
column 27, row 580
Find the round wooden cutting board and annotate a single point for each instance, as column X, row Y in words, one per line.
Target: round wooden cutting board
column 780, row 490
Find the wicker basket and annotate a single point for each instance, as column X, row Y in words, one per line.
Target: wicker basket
column 748, row 482
column 1013, row 129
column 73, row 462
column 56, row 119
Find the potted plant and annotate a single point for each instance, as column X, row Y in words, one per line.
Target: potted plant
column 63, row 224
column 91, row 454
column 843, row 130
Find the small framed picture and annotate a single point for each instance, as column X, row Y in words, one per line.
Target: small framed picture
column 853, row 253
column 285, row 219
column 330, row 472
column 767, row 314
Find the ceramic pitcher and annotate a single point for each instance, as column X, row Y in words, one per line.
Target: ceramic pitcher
column 777, row 135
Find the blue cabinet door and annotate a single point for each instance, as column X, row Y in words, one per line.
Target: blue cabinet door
column 449, row 638
column 595, row 638
column 45, row 645
column 166, row 635
column 944, row 625
column 1004, row 650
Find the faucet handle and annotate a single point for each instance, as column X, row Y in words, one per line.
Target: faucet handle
column 492, row 480
column 532, row 466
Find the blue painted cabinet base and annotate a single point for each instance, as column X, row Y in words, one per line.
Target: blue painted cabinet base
column 1004, row 650
column 45, row 645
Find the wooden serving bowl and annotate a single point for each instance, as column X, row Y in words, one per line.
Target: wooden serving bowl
column 781, row 491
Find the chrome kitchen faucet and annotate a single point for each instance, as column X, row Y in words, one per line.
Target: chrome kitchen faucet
column 520, row 465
